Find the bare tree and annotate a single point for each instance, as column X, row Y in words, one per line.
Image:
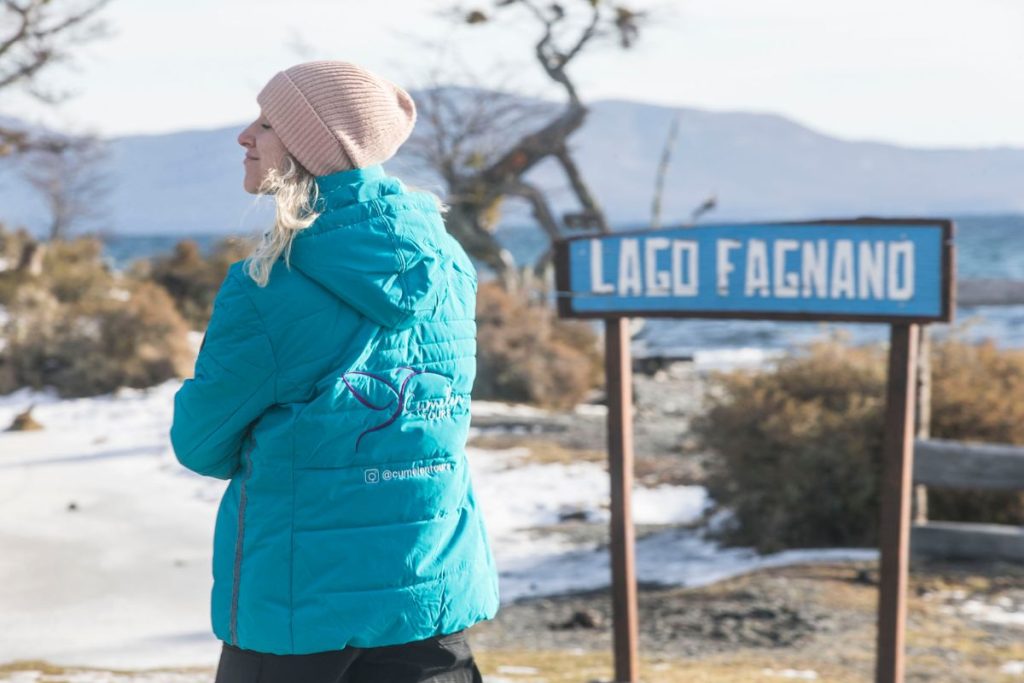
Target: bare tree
column 68, row 174
column 35, row 35
column 478, row 177
column 463, row 130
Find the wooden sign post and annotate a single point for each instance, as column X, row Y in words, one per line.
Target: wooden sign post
column 895, row 271
column 897, row 476
column 619, row 390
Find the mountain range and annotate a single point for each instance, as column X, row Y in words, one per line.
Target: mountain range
column 759, row 166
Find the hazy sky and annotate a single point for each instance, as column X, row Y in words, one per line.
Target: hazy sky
column 915, row 72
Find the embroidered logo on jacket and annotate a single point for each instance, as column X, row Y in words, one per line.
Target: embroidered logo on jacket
column 402, row 399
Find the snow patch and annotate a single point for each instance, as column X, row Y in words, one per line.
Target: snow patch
column 799, row 674
column 499, row 409
column 517, row 670
column 724, row 360
column 1012, row 668
column 591, row 410
column 1002, row 611
column 667, row 504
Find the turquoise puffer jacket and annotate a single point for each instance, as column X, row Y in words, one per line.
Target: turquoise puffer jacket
column 336, row 400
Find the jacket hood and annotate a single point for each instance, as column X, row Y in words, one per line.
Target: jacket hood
column 375, row 246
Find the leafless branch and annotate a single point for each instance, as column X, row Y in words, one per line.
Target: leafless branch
column 587, row 201
column 67, row 173
column 34, row 35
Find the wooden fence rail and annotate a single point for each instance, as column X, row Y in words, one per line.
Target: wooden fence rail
column 959, row 465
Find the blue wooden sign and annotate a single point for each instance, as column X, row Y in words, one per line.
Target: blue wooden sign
column 884, row 270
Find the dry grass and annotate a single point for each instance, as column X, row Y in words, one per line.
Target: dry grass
column 45, row 672
column 977, row 661
column 31, row 665
column 583, row 667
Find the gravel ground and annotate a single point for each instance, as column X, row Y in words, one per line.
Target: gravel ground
column 965, row 622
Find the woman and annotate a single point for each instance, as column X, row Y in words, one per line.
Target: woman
column 332, row 388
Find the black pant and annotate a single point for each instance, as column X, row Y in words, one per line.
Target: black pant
column 441, row 659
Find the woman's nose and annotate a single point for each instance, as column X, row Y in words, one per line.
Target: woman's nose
column 245, row 139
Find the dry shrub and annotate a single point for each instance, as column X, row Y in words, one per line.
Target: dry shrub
column 799, row 446
column 12, row 245
column 70, row 270
column 525, row 353
column 132, row 336
column 193, row 279
column 21, row 260
column 978, row 395
column 74, row 270
column 798, row 449
column 82, row 329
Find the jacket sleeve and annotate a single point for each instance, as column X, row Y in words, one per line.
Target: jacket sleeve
column 233, row 384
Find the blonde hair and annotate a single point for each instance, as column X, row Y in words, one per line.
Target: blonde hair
column 295, row 195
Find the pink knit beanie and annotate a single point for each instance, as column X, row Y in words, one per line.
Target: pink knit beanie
column 333, row 116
